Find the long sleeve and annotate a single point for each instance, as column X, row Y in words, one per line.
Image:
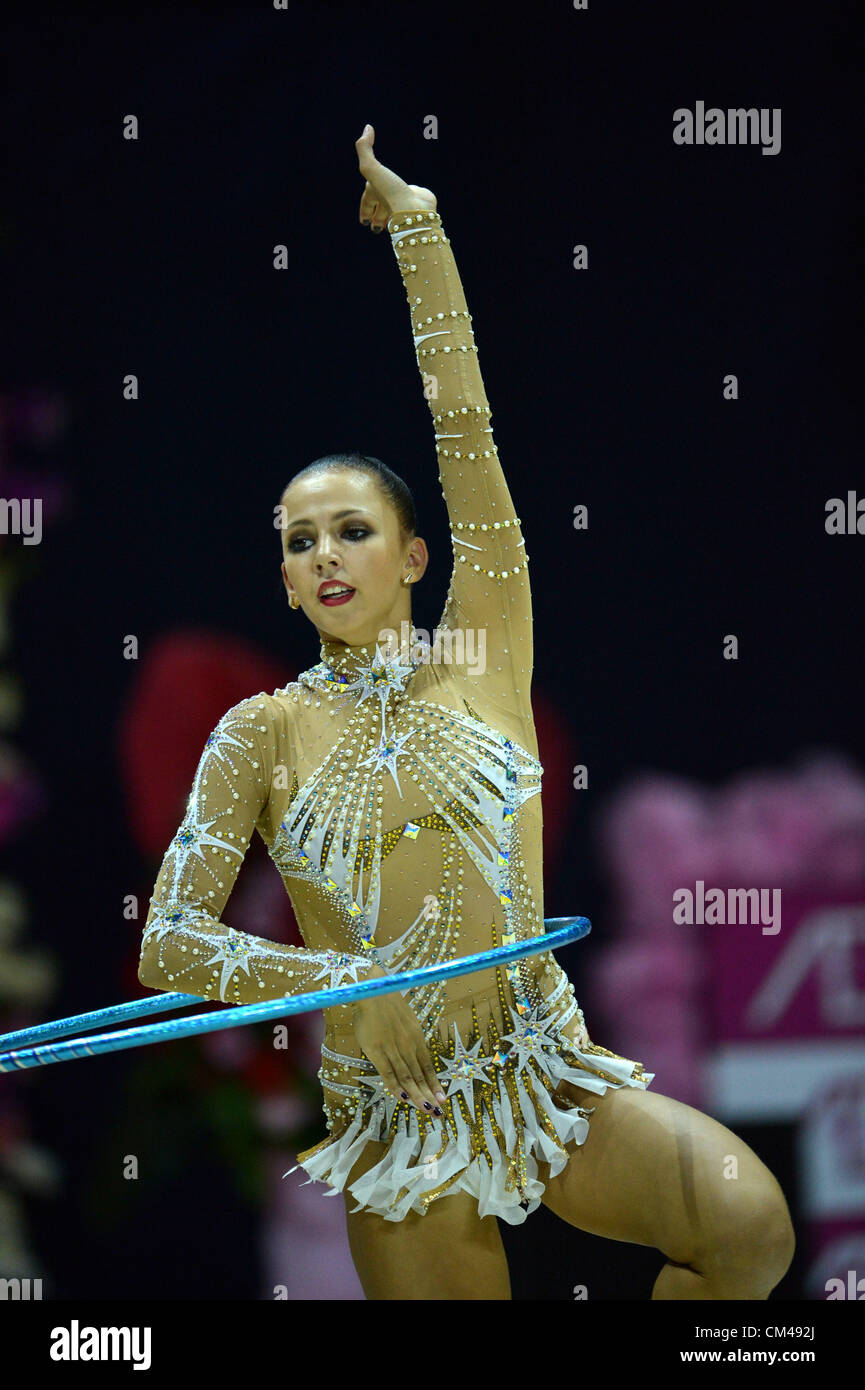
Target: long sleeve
column 489, row 589
column 185, row 945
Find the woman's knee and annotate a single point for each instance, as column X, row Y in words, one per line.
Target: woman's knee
column 753, row 1241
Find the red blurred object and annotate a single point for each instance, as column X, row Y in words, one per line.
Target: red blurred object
column 268, row 1071
column 186, row 682
column 557, row 750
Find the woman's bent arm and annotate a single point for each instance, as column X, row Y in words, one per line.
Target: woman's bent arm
column 185, row 945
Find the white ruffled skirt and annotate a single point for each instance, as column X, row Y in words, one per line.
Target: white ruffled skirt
column 489, row 1139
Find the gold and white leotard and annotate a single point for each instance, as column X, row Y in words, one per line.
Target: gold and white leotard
column 397, row 788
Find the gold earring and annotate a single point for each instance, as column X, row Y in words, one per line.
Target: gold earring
column 294, row 601
column 407, row 579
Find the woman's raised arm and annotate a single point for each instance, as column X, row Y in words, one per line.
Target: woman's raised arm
column 489, row 589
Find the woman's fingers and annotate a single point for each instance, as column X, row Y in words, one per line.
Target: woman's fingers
column 411, row 1083
column 395, row 1073
column 373, row 212
column 369, row 204
column 424, row 1072
column 433, row 1082
column 407, row 1077
column 426, row 1094
column 427, row 1082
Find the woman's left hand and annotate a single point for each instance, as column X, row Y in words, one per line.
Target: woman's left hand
column 385, row 192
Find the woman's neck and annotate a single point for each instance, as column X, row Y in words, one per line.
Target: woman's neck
column 344, row 656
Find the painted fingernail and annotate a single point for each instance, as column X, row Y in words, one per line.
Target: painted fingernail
column 404, row 1095
column 364, row 221
column 438, row 1111
column 426, row 1105
column 377, row 229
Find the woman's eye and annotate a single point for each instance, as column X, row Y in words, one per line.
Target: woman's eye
column 354, row 533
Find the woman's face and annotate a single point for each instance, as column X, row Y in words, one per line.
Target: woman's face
column 340, row 529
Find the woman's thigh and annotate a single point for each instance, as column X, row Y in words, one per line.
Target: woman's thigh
column 654, row 1171
column 450, row 1253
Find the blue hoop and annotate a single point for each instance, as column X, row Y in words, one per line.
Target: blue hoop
column 574, row 929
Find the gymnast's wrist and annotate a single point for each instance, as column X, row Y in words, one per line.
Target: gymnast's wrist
column 374, row 972
column 399, row 216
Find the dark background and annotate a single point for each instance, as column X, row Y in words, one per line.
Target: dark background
column 706, row 517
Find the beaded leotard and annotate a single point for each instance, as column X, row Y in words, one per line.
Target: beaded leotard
column 398, row 792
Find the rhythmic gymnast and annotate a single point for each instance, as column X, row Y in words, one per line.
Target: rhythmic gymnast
column 396, row 785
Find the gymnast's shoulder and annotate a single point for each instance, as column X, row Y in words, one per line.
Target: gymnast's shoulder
column 268, row 717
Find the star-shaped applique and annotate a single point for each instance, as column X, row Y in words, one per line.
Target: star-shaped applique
column 221, row 740
column 377, row 1093
column 529, row 1039
column 460, row 1072
column 193, row 836
column 340, row 967
column 387, row 753
column 232, row 955
column 167, row 918
column 383, row 675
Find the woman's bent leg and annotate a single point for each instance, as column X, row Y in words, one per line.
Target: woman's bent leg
column 654, row 1171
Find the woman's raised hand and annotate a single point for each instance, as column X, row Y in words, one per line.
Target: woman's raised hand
column 385, row 191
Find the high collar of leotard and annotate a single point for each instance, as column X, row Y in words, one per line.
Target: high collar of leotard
column 345, row 659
